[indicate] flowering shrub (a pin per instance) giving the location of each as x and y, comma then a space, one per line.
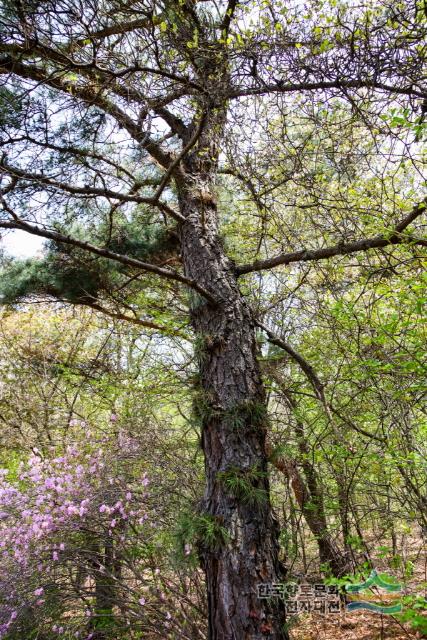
65, 525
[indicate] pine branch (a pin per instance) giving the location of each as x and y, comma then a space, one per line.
87, 191
169, 274
90, 95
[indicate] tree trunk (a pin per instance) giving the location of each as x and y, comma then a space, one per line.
232, 405
311, 506
343, 505
105, 589
309, 495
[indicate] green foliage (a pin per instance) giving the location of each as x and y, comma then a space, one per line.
196, 531
10, 108
243, 484
53, 276
247, 415
68, 273
244, 416
202, 408
288, 544
414, 613
282, 450
105, 621
142, 241
199, 348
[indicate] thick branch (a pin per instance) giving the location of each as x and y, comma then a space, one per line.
176, 125
281, 87
190, 144
169, 274
376, 242
117, 29
229, 14
89, 95
315, 382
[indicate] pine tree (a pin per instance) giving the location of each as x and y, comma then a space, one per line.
122, 117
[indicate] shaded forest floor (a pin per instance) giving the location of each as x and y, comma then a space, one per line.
364, 625
352, 626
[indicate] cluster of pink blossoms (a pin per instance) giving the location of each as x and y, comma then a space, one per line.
88, 491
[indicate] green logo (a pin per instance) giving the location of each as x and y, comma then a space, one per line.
374, 580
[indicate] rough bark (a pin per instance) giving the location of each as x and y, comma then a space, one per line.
232, 406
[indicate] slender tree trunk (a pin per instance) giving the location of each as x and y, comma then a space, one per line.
311, 505
343, 504
313, 508
105, 591
309, 495
233, 408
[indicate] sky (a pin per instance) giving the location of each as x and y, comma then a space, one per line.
20, 244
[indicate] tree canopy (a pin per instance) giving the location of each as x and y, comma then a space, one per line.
243, 182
